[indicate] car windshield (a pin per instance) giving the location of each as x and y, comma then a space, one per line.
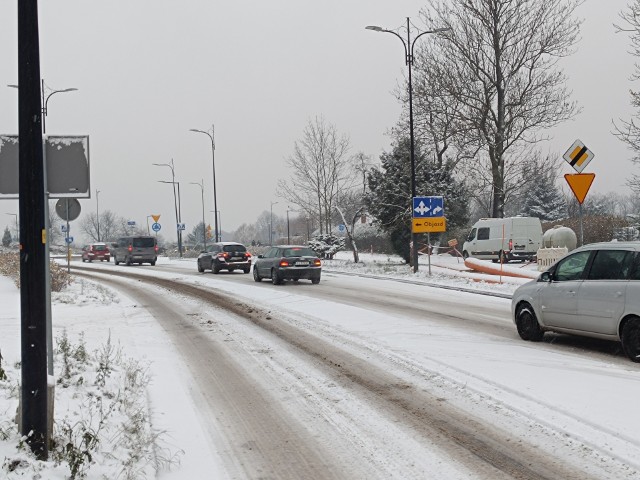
99, 247
299, 252
234, 248
143, 242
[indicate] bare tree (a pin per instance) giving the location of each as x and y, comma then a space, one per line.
629, 131
500, 59
320, 168
110, 226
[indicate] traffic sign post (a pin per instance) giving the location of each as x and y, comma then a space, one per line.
428, 216
578, 156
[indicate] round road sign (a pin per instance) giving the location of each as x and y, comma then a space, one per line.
156, 227
68, 209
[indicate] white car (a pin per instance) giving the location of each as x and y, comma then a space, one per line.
594, 292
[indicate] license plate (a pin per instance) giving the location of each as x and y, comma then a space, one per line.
302, 264
236, 259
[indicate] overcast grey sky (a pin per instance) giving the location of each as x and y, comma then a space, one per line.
148, 71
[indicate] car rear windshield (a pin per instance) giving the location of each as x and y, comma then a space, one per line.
299, 252
100, 248
234, 248
143, 242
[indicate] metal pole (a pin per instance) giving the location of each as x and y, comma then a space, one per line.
581, 229
288, 239
414, 236
98, 213
67, 239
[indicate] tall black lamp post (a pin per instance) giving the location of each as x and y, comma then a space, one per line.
204, 226
213, 156
408, 55
175, 201
97, 214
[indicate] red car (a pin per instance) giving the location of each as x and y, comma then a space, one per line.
96, 251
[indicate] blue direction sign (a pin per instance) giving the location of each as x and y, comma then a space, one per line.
69, 239
428, 207
156, 227
181, 226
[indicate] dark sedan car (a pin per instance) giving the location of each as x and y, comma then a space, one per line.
288, 262
228, 256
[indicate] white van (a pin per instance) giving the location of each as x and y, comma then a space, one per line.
504, 239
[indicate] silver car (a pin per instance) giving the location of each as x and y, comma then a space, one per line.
594, 292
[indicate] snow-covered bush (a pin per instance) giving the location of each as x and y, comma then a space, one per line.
327, 245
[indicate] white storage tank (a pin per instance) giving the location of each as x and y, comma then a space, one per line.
559, 236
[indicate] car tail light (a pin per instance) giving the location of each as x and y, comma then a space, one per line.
284, 263
155, 248
317, 262
130, 248
510, 244
248, 255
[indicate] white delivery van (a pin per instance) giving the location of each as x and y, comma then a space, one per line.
504, 239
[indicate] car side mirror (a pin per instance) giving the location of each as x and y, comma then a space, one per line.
260, 256
546, 277
114, 245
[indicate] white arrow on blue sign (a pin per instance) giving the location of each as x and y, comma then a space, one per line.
181, 226
156, 227
69, 239
428, 207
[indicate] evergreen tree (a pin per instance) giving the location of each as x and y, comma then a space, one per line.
6, 238
544, 199
389, 196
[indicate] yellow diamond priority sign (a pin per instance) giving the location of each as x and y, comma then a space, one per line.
578, 156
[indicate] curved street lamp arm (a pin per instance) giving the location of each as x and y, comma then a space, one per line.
404, 44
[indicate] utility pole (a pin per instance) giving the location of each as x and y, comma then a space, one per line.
33, 235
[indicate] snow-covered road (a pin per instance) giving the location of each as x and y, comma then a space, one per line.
359, 378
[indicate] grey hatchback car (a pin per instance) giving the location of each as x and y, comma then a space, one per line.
288, 262
594, 292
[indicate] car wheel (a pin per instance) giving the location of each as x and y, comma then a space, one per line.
503, 257
256, 275
115, 260
231, 270
315, 280
527, 324
153, 263
200, 268
83, 260
128, 261
90, 260
276, 279
465, 254
631, 339
246, 270
215, 270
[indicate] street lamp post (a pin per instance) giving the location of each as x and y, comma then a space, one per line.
175, 200
408, 55
288, 235
213, 158
45, 100
271, 224
204, 229
98, 213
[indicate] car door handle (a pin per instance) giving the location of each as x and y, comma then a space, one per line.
618, 294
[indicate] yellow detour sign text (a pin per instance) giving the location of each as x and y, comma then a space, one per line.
155, 218
429, 225
580, 184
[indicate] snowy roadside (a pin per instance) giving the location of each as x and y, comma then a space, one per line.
101, 328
